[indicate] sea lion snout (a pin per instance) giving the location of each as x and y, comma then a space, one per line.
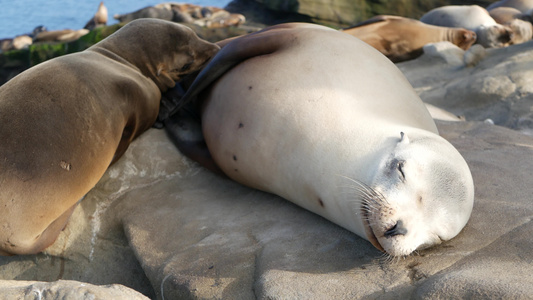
396, 229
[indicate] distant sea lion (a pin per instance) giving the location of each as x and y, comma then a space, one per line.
522, 31
37, 30
221, 19
5, 44
99, 18
402, 39
207, 16
66, 120
504, 15
519, 23
16, 43
522, 5
322, 119
147, 12
64, 35
472, 17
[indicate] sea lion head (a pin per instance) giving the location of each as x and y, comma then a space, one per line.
422, 194
464, 38
522, 31
494, 36
163, 51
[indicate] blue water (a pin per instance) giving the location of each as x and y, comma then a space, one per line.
22, 16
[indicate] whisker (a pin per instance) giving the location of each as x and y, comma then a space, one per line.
358, 189
364, 186
366, 190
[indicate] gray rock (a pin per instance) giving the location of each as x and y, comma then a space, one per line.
65, 289
447, 51
497, 87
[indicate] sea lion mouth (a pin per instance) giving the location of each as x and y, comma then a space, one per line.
370, 233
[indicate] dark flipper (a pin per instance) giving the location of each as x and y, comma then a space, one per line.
184, 129
237, 50
172, 98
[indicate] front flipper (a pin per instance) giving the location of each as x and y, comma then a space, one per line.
169, 101
235, 51
185, 130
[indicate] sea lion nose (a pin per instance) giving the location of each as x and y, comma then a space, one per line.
397, 229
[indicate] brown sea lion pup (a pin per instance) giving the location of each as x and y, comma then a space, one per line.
66, 120
99, 18
402, 39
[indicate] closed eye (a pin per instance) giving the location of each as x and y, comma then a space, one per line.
400, 166
185, 67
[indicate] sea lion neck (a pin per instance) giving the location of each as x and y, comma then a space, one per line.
124, 46
139, 60
112, 55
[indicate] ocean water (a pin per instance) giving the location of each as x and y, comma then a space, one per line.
22, 16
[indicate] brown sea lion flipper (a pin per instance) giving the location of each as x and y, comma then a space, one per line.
237, 50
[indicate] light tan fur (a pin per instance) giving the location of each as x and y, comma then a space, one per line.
66, 120
99, 18
402, 39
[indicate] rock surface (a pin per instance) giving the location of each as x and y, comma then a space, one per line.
65, 289
499, 87
199, 236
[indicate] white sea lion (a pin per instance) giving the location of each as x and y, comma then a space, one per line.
66, 120
519, 23
522, 31
322, 119
472, 17
402, 39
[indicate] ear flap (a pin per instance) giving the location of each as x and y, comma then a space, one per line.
164, 78
404, 140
